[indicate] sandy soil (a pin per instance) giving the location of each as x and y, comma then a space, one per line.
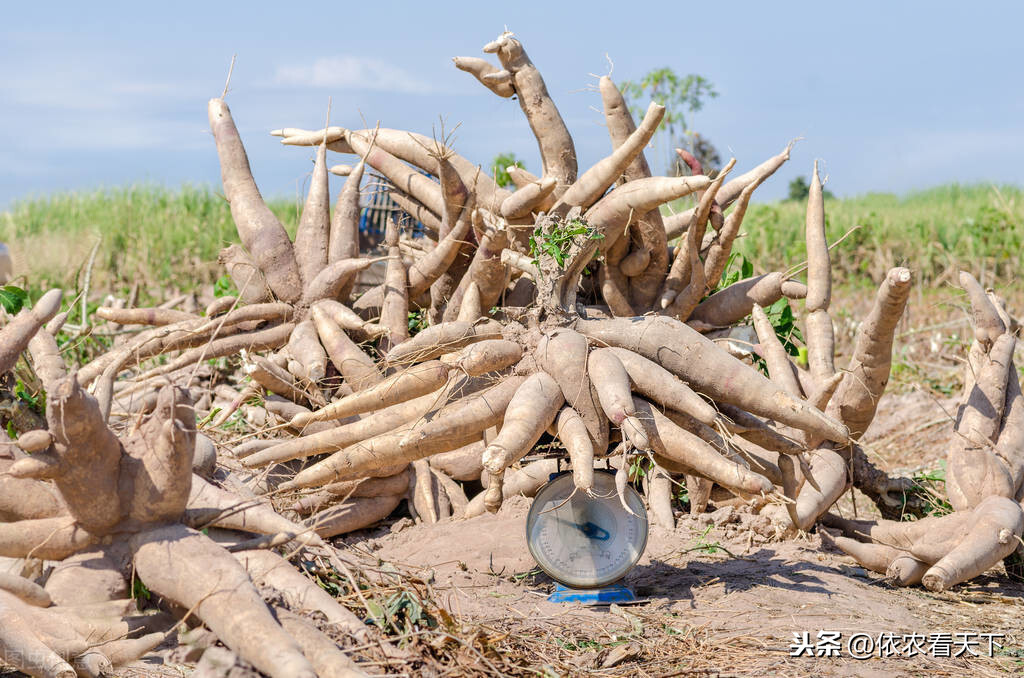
722, 613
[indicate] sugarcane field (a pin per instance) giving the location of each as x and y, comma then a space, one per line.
500, 342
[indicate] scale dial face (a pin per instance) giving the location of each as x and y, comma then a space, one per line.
586, 542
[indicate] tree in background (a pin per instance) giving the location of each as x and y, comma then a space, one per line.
502, 161
799, 189
680, 95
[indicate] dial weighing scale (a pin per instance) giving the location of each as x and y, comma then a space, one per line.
586, 543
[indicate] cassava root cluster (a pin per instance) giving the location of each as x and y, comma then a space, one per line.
557, 310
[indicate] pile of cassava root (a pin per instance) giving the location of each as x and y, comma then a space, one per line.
557, 312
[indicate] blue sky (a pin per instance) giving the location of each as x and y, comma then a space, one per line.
891, 98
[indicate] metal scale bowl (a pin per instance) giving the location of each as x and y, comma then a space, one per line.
586, 543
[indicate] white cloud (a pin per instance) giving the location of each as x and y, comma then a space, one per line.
349, 72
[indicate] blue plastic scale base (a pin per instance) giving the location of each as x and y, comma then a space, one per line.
616, 593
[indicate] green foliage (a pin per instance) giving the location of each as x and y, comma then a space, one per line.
679, 95
682, 495
200, 423
139, 590
799, 189
37, 401
929, 488
925, 230
12, 298
639, 468
781, 316
417, 321
499, 165
329, 585
236, 423
702, 545
225, 287
556, 242
21, 401
736, 268
906, 371
581, 645
401, 613
81, 349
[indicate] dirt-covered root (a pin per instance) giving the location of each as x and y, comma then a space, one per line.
681, 451
15, 336
189, 569
710, 370
504, 324
647, 232
253, 327
127, 506
851, 398
558, 153
955, 547
856, 398
359, 512
447, 428
415, 421
530, 411
524, 481
985, 458
685, 283
262, 234
892, 496
47, 641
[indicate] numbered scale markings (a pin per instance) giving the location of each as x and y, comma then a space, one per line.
582, 541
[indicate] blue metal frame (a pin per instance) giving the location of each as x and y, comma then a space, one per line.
616, 593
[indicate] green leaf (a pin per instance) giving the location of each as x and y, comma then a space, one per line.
224, 287
746, 269
208, 418
500, 168
376, 612
737, 268
679, 95
36, 401
417, 321
12, 298
139, 590
558, 256
683, 495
